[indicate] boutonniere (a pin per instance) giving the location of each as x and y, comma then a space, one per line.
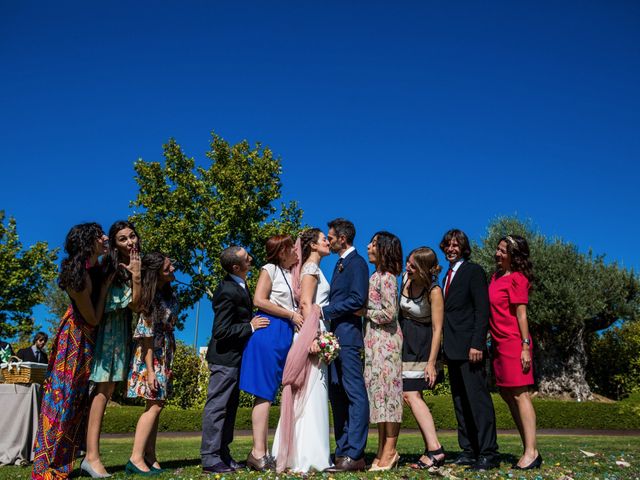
340, 267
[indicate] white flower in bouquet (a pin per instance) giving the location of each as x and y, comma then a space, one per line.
329, 347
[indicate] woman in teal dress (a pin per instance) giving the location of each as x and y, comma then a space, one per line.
150, 374
111, 357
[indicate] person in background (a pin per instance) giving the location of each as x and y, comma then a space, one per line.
150, 374
35, 353
383, 347
421, 317
111, 356
65, 399
266, 352
466, 322
511, 341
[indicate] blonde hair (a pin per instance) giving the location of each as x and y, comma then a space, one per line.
426, 262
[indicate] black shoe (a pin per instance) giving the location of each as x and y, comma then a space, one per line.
465, 459
219, 467
484, 463
537, 463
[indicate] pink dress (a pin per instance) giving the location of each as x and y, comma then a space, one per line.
505, 294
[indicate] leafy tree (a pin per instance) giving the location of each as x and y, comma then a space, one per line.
57, 301
574, 296
23, 278
192, 213
615, 375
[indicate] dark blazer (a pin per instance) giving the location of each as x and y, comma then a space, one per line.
349, 293
27, 355
466, 312
232, 313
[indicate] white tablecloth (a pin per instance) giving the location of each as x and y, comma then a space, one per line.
19, 409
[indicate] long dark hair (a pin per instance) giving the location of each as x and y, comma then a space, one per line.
151, 267
113, 260
389, 251
276, 245
461, 238
79, 246
307, 237
518, 249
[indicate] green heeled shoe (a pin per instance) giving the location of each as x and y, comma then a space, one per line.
131, 469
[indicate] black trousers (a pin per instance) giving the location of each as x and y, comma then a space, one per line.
474, 408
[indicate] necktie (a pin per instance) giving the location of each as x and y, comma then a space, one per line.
37, 356
447, 283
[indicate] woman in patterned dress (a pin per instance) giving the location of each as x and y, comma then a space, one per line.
150, 374
66, 387
111, 356
383, 347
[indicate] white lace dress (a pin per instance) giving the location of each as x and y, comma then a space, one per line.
311, 425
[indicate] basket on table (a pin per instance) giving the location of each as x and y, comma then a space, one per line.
17, 371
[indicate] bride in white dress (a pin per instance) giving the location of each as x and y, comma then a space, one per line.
310, 443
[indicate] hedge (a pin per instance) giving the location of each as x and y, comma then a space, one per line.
624, 415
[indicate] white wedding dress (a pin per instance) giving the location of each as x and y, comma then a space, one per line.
311, 425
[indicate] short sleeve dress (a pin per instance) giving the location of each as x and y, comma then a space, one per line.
113, 341
382, 350
159, 326
505, 294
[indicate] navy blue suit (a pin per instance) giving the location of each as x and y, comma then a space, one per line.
347, 391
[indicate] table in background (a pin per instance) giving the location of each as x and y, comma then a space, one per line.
19, 409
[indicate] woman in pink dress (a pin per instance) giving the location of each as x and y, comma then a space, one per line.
511, 342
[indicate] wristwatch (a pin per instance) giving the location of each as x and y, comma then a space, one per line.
526, 341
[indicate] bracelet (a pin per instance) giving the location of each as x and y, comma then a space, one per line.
526, 341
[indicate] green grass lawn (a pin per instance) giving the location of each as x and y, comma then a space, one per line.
561, 453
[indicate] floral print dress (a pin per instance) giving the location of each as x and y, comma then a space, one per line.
158, 325
383, 350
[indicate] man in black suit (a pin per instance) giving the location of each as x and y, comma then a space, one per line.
232, 326
466, 321
35, 353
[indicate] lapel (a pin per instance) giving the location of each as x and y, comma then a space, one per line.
456, 279
244, 291
345, 262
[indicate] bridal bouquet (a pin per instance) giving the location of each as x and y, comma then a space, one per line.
329, 347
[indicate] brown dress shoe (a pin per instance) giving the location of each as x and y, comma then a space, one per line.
348, 464
261, 464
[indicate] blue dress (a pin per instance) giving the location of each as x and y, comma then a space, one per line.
266, 351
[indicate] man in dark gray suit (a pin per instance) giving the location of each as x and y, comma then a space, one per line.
232, 326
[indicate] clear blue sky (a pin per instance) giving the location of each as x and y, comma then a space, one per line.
408, 116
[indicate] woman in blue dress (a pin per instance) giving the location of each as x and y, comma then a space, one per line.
266, 352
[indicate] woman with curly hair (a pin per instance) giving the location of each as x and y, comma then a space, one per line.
150, 374
383, 347
111, 357
66, 387
511, 341
421, 320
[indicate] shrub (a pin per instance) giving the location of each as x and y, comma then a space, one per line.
190, 379
614, 367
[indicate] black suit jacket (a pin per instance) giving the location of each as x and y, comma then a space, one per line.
466, 312
27, 355
232, 311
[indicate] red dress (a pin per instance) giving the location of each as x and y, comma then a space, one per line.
505, 294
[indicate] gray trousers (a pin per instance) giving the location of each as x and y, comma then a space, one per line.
219, 416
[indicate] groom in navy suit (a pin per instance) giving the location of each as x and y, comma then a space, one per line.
347, 391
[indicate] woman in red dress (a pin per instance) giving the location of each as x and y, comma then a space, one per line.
511, 342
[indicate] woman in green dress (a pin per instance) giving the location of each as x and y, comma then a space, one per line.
111, 358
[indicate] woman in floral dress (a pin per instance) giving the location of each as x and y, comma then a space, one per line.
66, 386
383, 347
150, 375
113, 340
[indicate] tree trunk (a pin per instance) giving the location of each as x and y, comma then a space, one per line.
561, 368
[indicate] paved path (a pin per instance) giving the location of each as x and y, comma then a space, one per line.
542, 431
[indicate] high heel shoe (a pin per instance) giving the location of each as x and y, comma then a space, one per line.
152, 467
537, 463
394, 463
85, 467
131, 469
431, 454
